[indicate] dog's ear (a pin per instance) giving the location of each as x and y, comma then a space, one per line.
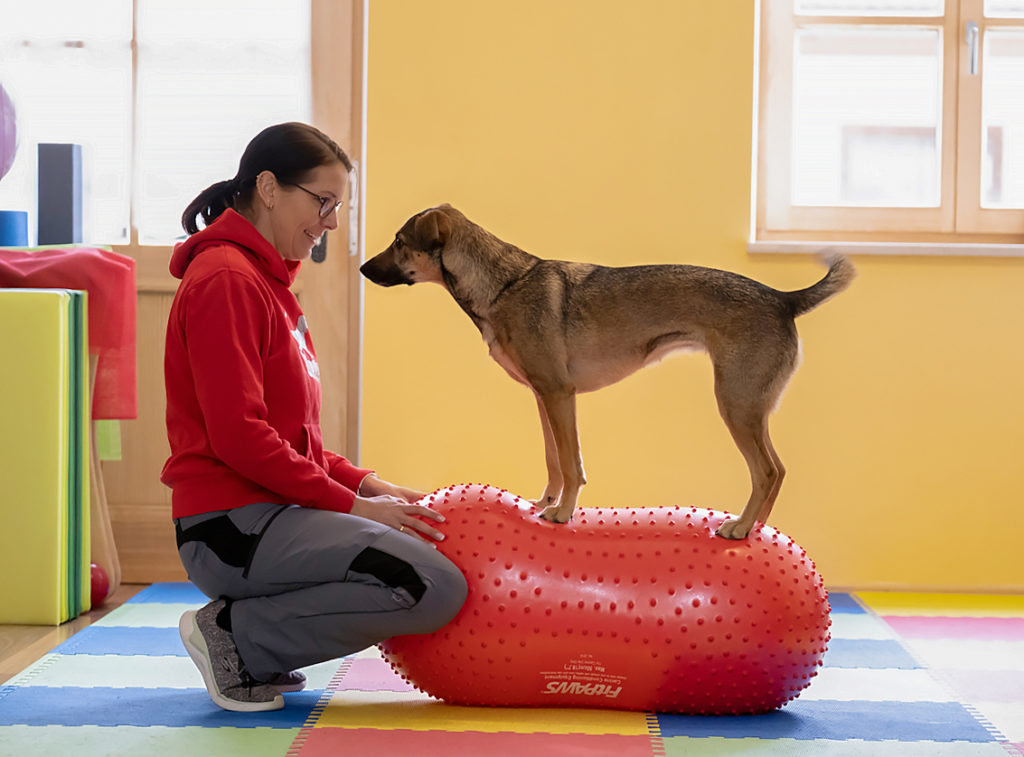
432, 228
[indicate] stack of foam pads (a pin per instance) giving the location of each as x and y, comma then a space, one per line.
904, 676
44, 463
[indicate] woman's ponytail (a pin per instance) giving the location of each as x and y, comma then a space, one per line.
209, 204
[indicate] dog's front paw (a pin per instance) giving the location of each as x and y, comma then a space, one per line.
555, 514
733, 529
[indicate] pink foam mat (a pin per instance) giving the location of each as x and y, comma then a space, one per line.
988, 629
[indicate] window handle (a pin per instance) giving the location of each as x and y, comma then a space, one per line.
971, 38
353, 210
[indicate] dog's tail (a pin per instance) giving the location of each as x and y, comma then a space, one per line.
840, 273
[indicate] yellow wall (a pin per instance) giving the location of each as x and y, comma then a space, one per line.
620, 133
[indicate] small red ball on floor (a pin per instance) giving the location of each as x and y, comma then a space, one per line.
100, 584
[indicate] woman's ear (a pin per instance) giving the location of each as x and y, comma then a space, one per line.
266, 189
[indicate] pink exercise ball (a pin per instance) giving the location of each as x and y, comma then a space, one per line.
8, 133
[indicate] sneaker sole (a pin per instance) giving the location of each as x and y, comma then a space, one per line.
287, 689
196, 647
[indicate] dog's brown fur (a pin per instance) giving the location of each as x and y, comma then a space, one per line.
563, 328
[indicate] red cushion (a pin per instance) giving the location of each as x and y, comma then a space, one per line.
109, 278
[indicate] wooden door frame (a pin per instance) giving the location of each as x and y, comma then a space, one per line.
331, 292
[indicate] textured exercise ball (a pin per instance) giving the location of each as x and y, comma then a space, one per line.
8, 133
639, 609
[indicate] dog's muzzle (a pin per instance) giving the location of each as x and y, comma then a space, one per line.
382, 270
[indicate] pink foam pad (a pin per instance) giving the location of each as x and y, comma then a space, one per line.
640, 609
994, 629
372, 675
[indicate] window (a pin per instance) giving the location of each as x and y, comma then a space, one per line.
891, 120
163, 96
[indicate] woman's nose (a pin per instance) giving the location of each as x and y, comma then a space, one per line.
330, 221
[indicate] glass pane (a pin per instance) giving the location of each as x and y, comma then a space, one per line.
866, 117
66, 20
1004, 8
80, 95
248, 23
205, 90
869, 7
1002, 119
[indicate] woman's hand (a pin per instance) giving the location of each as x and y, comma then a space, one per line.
372, 486
399, 514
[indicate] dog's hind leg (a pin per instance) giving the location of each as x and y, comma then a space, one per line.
766, 473
560, 409
769, 503
745, 402
553, 489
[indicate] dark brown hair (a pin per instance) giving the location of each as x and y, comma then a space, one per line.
289, 151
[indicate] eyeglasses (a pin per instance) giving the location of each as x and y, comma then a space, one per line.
327, 205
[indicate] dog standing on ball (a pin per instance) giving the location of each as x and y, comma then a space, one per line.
562, 328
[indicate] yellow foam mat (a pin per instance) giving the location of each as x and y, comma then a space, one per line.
945, 605
388, 710
43, 456
34, 455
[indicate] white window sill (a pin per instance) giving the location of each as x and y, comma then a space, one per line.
965, 249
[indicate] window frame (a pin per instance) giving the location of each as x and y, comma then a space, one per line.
776, 222
152, 274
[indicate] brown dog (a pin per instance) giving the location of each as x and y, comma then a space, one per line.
562, 328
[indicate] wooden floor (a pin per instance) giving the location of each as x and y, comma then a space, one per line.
20, 646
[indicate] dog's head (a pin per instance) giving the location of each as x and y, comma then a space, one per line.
415, 254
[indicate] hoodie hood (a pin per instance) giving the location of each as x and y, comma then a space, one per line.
232, 229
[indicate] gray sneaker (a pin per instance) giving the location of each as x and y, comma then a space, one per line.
213, 651
286, 682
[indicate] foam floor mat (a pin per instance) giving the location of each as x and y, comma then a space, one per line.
906, 675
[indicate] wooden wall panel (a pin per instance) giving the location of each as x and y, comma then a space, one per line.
140, 506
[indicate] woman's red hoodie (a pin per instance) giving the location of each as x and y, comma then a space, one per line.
243, 384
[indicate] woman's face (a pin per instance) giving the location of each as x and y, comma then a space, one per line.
295, 221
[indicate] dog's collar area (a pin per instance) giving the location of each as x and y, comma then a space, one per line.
451, 281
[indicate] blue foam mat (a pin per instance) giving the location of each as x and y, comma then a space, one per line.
868, 653
125, 640
75, 706
839, 721
845, 604
171, 593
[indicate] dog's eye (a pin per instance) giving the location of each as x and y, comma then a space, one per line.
398, 243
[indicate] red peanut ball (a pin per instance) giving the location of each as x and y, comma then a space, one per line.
628, 608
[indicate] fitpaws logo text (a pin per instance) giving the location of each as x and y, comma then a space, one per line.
586, 689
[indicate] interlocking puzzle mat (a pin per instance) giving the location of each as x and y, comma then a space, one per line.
905, 675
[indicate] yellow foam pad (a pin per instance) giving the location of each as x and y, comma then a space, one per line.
945, 605
388, 710
34, 374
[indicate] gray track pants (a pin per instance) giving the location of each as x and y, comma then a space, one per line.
311, 585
